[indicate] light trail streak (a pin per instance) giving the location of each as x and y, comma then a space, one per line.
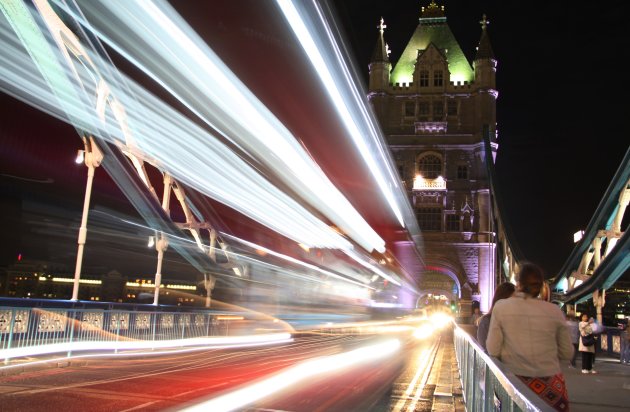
424, 362
295, 375
169, 140
166, 48
136, 353
314, 48
361, 281
372, 267
207, 343
156, 131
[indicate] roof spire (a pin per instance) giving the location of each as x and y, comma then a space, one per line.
432, 11
381, 51
484, 50
381, 27
484, 22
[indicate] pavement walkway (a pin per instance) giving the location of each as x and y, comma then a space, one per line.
606, 391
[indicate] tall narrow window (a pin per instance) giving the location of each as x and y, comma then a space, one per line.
438, 78
452, 223
429, 218
424, 78
410, 109
430, 166
438, 110
423, 111
462, 172
467, 222
452, 108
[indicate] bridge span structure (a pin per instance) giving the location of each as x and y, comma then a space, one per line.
236, 180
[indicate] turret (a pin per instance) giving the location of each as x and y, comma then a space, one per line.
379, 64
485, 65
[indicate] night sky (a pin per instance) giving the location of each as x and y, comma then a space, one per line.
561, 119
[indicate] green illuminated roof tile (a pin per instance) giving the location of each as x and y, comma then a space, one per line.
432, 30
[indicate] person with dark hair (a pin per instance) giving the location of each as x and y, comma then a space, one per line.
529, 336
587, 351
503, 291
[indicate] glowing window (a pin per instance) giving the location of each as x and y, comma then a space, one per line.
430, 166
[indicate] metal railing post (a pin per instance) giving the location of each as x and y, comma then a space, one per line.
183, 328
153, 326
72, 319
10, 341
117, 332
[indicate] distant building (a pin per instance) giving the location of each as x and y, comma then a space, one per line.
42, 280
434, 108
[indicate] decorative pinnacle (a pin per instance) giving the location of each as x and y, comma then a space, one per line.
484, 22
381, 27
432, 10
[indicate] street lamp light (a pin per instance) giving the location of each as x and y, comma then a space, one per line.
80, 157
92, 156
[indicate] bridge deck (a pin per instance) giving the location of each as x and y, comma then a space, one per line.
607, 391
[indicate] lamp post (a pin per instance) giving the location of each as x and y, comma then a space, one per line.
92, 157
161, 244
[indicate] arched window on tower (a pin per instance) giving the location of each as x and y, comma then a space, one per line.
430, 166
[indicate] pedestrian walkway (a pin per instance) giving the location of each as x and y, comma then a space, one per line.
607, 391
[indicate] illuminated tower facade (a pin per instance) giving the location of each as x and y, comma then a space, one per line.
435, 108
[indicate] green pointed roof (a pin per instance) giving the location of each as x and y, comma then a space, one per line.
432, 29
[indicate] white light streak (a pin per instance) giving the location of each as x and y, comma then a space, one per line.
165, 47
371, 267
165, 138
296, 374
362, 282
331, 84
214, 342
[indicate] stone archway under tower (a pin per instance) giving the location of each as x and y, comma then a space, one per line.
445, 278
435, 297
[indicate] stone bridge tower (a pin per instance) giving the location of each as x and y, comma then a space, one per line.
434, 108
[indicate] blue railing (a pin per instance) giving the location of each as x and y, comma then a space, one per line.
487, 385
36, 331
613, 342
624, 355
